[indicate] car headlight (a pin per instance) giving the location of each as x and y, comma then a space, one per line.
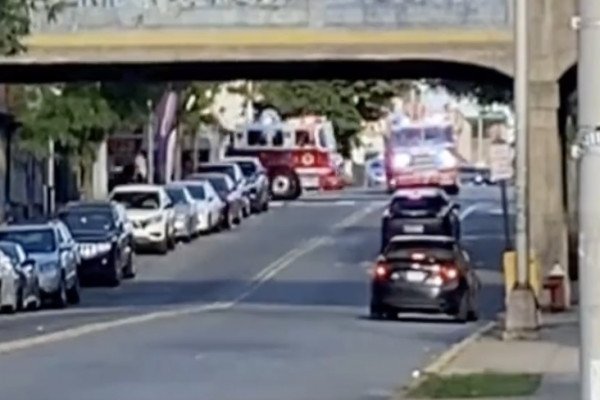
103, 247
447, 159
157, 219
401, 160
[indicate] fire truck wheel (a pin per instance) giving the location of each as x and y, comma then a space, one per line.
285, 186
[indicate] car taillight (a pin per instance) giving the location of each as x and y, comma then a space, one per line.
442, 274
449, 272
381, 270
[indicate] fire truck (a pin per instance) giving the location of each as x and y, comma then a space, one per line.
315, 155
421, 153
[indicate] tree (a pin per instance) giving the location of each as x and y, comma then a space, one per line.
76, 116
485, 93
129, 101
15, 21
346, 103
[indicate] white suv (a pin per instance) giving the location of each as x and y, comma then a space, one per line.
151, 213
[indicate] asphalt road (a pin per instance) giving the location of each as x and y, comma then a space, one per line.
275, 310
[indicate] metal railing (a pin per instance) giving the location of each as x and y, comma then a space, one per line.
85, 15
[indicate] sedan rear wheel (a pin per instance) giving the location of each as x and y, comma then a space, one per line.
59, 297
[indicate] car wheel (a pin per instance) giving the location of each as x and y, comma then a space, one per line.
473, 314
114, 278
73, 293
20, 305
265, 206
462, 314
163, 247
246, 212
129, 269
171, 243
379, 312
59, 297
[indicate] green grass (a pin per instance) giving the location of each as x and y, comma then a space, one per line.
475, 386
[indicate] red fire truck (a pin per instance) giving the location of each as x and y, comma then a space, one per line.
421, 153
314, 149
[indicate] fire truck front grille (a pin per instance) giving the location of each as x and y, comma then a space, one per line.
424, 161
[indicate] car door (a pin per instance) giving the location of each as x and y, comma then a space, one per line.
28, 271
68, 247
168, 209
122, 237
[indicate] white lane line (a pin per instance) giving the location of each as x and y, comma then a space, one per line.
469, 210
260, 279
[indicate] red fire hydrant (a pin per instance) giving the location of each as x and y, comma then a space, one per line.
555, 283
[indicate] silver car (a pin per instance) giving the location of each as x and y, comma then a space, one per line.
19, 279
55, 253
186, 215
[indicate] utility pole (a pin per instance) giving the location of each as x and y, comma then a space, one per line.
50, 177
150, 142
589, 193
522, 313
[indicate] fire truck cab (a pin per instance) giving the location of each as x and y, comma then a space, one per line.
421, 153
314, 148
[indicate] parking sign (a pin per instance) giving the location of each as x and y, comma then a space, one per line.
501, 162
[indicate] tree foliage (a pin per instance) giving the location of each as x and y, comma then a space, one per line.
195, 102
485, 93
130, 100
77, 117
15, 22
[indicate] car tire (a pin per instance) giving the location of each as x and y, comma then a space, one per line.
114, 279
379, 312
473, 314
59, 297
265, 206
74, 293
246, 212
163, 247
462, 313
129, 271
171, 243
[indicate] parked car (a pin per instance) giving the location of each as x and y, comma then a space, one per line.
234, 171
186, 211
209, 206
105, 247
151, 213
19, 280
430, 274
375, 172
420, 211
257, 182
232, 213
55, 252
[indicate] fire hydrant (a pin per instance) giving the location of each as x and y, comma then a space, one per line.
556, 284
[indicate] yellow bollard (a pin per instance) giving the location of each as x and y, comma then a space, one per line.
509, 266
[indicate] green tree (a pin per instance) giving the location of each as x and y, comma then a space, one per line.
130, 100
76, 116
195, 102
485, 93
15, 22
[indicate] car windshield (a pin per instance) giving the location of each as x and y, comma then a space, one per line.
197, 192
32, 241
248, 168
407, 137
438, 135
79, 221
138, 200
225, 169
177, 195
420, 203
432, 250
11, 251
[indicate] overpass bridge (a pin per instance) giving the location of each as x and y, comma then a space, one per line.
468, 39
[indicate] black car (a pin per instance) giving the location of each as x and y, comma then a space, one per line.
257, 182
428, 274
105, 245
421, 211
233, 171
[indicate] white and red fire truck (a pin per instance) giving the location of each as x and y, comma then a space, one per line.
421, 153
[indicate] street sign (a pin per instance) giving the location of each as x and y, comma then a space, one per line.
501, 162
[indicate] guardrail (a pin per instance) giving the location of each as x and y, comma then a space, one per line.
86, 15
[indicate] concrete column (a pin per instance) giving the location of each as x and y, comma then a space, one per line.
100, 172
548, 219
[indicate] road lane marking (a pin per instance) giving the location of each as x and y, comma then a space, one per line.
260, 279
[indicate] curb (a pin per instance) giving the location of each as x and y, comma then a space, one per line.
445, 358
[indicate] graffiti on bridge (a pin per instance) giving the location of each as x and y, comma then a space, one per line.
390, 14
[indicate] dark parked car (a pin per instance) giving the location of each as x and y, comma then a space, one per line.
234, 172
228, 193
257, 182
105, 245
421, 211
429, 274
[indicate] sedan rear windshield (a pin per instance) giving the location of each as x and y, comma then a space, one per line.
197, 192
138, 200
405, 250
87, 221
177, 195
248, 168
225, 169
32, 241
423, 203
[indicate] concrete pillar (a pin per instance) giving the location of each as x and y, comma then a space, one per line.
548, 219
100, 172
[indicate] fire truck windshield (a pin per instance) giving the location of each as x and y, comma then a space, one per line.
434, 135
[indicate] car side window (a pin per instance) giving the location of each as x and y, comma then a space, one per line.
61, 236
66, 233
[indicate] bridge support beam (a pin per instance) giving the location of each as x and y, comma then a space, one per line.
548, 218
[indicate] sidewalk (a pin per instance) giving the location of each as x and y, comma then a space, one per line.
555, 356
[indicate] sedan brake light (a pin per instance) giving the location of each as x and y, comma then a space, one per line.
381, 270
